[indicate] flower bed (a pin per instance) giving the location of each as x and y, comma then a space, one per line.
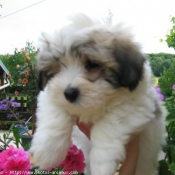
18, 161
6, 120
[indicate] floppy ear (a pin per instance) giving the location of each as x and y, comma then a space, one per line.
42, 80
130, 64
47, 67
47, 60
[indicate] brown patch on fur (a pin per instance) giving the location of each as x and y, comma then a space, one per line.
47, 66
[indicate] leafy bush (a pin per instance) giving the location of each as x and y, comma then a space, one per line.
23, 78
160, 61
167, 165
170, 38
167, 80
167, 83
11, 61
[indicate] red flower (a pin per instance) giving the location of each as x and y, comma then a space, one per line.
16, 92
25, 80
74, 160
9, 76
26, 72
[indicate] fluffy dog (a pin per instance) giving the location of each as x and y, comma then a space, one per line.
95, 72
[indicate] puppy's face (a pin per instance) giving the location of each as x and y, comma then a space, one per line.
87, 67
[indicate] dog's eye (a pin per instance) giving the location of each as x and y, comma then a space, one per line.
91, 65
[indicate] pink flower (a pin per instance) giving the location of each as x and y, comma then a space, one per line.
22, 165
161, 97
13, 159
74, 161
157, 89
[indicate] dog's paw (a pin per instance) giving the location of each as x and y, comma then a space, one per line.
103, 167
47, 153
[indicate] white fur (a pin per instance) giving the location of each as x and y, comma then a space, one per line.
117, 114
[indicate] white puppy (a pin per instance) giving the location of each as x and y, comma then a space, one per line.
96, 73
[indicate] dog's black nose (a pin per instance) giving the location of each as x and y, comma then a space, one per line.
71, 94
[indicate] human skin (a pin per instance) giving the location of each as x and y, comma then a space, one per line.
132, 149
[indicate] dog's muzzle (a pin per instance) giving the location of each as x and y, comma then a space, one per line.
71, 94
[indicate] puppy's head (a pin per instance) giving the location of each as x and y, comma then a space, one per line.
87, 62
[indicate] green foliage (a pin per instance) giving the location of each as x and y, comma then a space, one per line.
160, 62
167, 80
170, 37
167, 166
21, 66
11, 61
17, 136
163, 168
